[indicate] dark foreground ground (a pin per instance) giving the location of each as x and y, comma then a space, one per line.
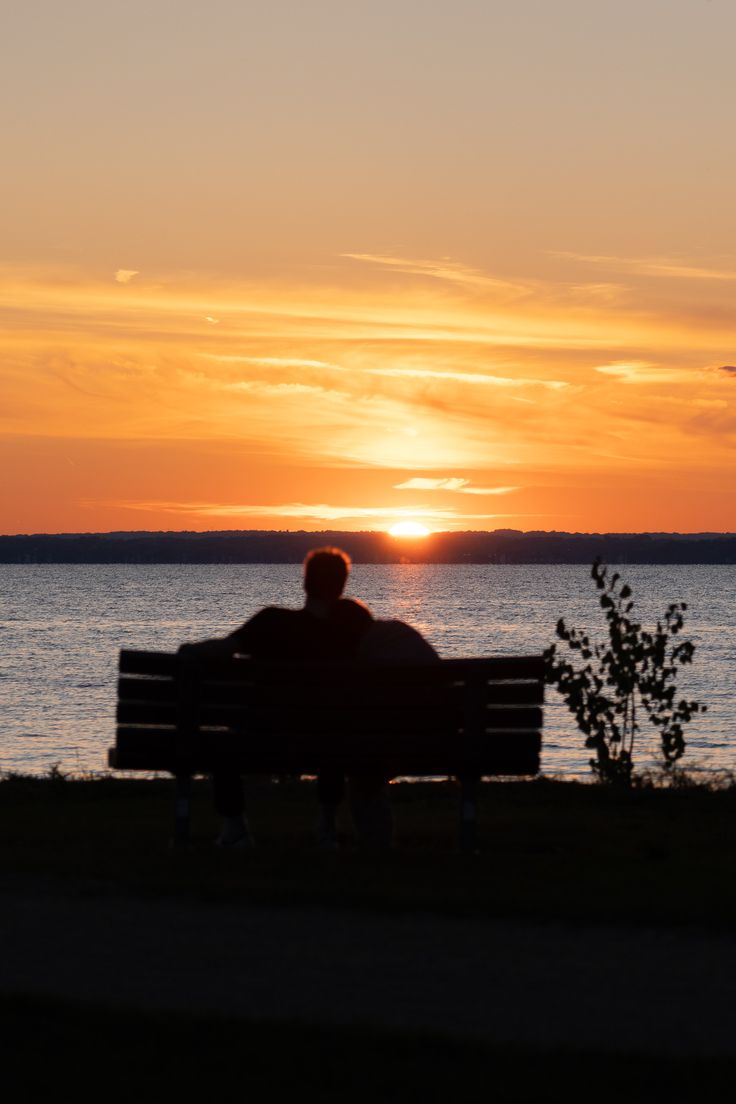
590, 948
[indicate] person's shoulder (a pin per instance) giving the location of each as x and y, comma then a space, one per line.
268, 620
393, 629
275, 613
395, 641
269, 615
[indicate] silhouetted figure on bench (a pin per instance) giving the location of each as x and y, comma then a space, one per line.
371, 641
281, 635
287, 635
328, 628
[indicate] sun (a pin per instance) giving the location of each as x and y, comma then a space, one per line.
409, 529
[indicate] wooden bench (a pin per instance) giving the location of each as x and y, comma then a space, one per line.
464, 718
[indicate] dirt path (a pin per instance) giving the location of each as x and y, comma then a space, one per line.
640, 990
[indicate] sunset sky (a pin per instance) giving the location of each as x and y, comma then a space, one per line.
309, 264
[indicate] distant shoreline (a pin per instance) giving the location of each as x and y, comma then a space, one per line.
501, 546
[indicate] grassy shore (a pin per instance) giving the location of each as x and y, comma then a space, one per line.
549, 850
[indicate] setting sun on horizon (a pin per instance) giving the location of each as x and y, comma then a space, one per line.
409, 529
491, 288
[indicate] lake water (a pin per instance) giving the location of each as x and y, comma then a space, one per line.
63, 625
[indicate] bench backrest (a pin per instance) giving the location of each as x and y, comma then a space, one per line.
454, 716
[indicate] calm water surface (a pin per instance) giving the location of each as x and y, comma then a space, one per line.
63, 625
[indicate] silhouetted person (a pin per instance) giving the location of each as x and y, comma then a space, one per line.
275, 633
371, 641
280, 635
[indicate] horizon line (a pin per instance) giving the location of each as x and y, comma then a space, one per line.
377, 533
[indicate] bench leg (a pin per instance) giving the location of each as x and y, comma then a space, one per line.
469, 785
182, 822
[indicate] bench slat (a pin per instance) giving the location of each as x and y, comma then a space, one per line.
327, 718
503, 752
148, 663
492, 668
238, 693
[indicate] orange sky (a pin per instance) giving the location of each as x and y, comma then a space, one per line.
397, 281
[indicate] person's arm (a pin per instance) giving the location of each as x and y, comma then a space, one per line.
219, 648
239, 642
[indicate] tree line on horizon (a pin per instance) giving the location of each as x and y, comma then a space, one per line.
502, 546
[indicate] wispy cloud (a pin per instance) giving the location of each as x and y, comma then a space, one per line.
444, 269
604, 293
305, 511
450, 483
268, 362
644, 372
125, 275
665, 267
283, 388
480, 379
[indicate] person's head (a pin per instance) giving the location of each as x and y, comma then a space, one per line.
325, 573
